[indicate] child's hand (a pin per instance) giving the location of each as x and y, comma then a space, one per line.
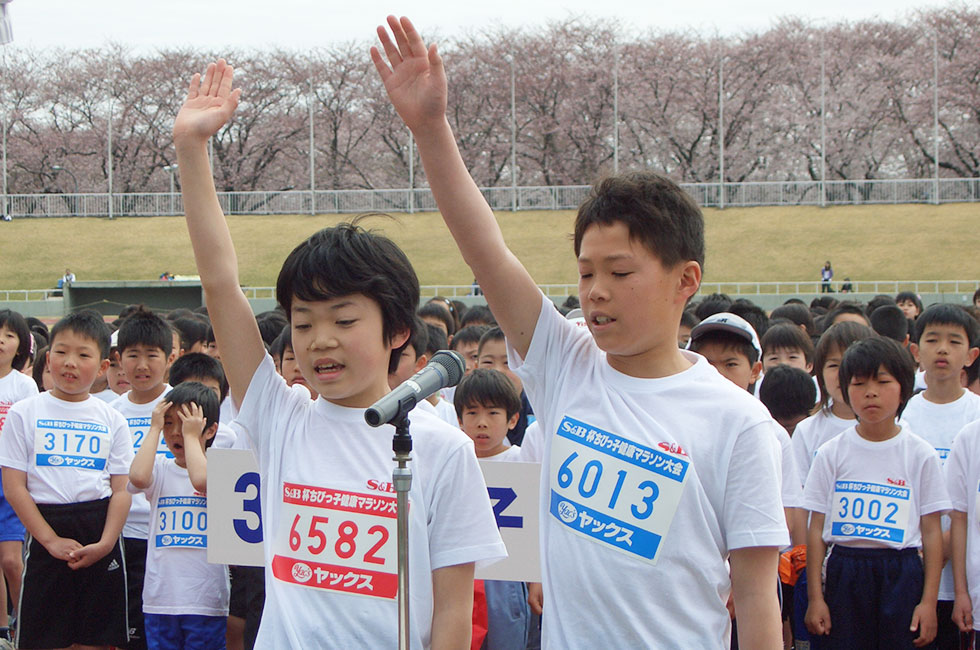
963, 613
87, 555
61, 548
209, 105
191, 420
535, 597
416, 80
818, 618
159, 411
924, 620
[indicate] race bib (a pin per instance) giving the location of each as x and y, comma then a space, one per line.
337, 540
614, 491
140, 427
66, 443
870, 511
4, 408
182, 522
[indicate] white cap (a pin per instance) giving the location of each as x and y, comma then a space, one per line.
726, 322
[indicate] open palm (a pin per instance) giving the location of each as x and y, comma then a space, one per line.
210, 103
413, 75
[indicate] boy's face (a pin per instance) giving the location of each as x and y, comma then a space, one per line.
209, 382
909, 309
118, 381
487, 426
792, 357
290, 369
731, 363
831, 375
74, 362
630, 301
683, 336
493, 355
469, 351
409, 363
173, 435
875, 399
211, 349
9, 342
943, 351
145, 367
341, 349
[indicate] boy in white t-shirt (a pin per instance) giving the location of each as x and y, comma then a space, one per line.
65, 458
652, 459
328, 507
185, 599
945, 343
963, 482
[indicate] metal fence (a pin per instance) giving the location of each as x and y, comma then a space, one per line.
950, 190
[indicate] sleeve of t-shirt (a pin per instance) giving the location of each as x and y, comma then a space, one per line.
267, 403
816, 493
15, 451
933, 496
801, 455
153, 488
956, 471
532, 447
753, 512
121, 453
462, 528
792, 488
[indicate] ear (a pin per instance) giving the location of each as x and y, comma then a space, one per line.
756, 369
210, 432
398, 339
420, 361
971, 356
688, 280
914, 349
512, 422
103, 366
809, 368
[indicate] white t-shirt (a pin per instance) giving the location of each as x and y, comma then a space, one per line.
874, 493
108, 395
532, 446
328, 511
512, 453
179, 579
138, 418
938, 425
68, 449
13, 388
447, 412
963, 482
647, 485
811, 433
792, 486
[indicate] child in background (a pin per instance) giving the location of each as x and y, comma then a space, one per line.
910, 304
467, 343
15, 348
488, 407
351, 297
946, 342
689, 321
185, 599
876, 493
65, 459
624, 382
785, 343
789, 394
492, 353
145, 349
962, 480
41, 373
115, 376
434, 342
731, 346
288, 367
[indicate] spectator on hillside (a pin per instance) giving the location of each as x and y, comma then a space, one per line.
826, 275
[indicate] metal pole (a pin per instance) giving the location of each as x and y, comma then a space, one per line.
109, 141
823, 126
513, 135
312, 155
721, 133
616, 112
935, 117
401, 477
170, 169
3, 207
411, 172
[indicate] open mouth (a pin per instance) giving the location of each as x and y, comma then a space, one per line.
327, 368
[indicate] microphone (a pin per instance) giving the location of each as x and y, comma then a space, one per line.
445, 369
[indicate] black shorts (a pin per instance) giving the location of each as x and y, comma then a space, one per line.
60, 606
134, 552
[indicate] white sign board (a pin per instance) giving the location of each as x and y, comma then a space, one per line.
235, 527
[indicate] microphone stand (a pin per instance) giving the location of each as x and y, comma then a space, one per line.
401, 478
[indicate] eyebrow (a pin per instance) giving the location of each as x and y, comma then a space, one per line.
335, 307
609, 258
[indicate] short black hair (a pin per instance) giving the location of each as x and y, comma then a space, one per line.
787, 335
194, 392
435, 339
285, 340
89, 324
191, 331
488, 388
434, 310
492, 334
449, 307
863, 360
838, 337
728, 341
752, 313
143, 327
788, 392
890, 321
973, 371
16, 323
418, 336
946, 314
878, 301
796, 312
270, 325
344, 260
656, 211
712, 304
477, 315
689, 319
197, 365
469, 334
37, 372
846, 307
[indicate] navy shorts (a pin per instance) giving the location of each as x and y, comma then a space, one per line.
185, 631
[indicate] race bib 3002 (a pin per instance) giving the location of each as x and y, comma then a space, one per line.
337, 540
66, 443
183, 522
872, 511
614, 491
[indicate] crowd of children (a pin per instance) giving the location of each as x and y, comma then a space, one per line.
711, 474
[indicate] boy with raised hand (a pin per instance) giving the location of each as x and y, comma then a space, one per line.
657, 470
328, 516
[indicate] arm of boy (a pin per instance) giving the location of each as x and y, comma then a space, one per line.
754, 572
962, 603
452, 606
15, 491
192, 429
141, 471
535, 597
416, 84
924, 615
210, 104
817, 613
119, 504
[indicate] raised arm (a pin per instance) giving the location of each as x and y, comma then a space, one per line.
141, 471
415, 80
210, 104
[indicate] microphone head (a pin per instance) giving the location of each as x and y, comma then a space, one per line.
452, 362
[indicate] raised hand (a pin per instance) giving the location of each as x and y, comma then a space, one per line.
209, 105
191, 420
413, 75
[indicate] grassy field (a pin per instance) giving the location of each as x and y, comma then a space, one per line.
744, 244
